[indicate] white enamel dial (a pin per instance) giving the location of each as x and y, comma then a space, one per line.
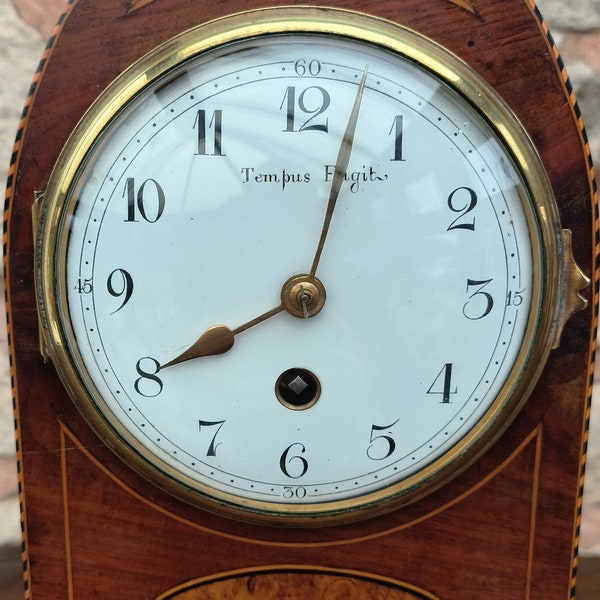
208, 191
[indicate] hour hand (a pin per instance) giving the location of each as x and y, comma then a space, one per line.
302, 296
218, 339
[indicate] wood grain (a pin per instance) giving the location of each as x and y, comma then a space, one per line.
505, 529
295, 584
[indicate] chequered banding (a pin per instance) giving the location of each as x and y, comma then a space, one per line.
595, 280
10, 190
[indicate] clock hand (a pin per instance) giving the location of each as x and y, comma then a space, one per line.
218, 339
302, 296
341, 166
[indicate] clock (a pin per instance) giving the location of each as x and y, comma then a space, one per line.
354, 195
305, 280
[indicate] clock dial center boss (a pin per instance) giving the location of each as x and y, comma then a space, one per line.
325, 166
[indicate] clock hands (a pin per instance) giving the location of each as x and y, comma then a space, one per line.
218, 339
302, 296
341, 166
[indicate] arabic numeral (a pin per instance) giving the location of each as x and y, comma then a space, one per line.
291, 463
398, 130
442, 384
84, 286
120, 285
203, 126
290, 492
381, 446
312, 101
307, 67
148, 202
148, 384
480, 302
462, 200
515, 298
212, 447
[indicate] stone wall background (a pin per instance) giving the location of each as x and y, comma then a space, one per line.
27, 24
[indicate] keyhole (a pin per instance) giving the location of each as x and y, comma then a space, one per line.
297, 389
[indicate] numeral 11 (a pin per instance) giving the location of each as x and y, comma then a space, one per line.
203, 127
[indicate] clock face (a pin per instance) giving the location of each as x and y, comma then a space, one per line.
192, 207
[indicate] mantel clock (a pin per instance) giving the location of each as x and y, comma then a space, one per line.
311, 286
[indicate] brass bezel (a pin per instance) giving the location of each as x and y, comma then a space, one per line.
543, 222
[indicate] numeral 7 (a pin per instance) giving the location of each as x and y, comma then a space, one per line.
212, 448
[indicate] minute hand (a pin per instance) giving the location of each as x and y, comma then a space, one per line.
341, 165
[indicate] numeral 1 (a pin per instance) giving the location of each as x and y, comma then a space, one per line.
397, 129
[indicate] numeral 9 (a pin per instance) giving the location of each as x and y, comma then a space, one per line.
120, 285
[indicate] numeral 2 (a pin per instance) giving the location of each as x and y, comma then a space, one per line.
465, 206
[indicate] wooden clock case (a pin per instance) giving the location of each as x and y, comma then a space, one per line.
505, 529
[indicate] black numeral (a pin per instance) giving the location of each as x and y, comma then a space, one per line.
212, 447
149, 196
442, 384
148, 384
312, 101
515, 298
84, 286
307, 67
462, 200
381, 446
290, 492
480, 303
203, 126
120, 285
397, 129
291, 463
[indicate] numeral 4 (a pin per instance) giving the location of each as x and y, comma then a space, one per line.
442, 384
